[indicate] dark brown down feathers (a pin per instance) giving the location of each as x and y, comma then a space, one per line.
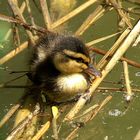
59, 67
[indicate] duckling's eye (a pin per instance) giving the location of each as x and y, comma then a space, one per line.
79, 60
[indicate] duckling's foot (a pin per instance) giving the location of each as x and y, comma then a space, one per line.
69, 101
87, 97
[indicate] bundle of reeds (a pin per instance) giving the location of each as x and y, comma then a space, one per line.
27, 122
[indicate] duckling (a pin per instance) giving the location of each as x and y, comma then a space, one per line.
60, 67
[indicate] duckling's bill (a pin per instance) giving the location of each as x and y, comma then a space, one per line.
91, 70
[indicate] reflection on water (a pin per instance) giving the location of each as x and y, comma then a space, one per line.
59, 8
115, 112
137, 74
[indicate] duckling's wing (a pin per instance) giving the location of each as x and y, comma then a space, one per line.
43, 48
41, 52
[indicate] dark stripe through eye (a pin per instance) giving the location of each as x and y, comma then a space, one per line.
79, 60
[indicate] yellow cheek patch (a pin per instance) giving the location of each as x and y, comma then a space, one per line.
67, 65
71, 67
77, 55
84, 66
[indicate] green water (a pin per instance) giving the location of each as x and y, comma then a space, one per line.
105, 126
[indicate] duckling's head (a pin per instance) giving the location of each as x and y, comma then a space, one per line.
71, 56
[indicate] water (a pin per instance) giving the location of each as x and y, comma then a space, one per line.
117, 120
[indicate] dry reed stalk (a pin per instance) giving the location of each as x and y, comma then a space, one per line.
99, 88
22, 7
14, 53
137, 41
91, 43
93, 17
21, 126
11, 111
42, 131
113, 48
134, 1
56, 25
103, 52
122, 49
127, 81
87, 111
122, 14
30, 14
115, 89
137, 137
133, 10
73, 13
7, 35
14, 86
104, 102
45, 12
17, 12
89, 117
14, 79
16, 37
72, 134
55, 114
25, 25
9, 114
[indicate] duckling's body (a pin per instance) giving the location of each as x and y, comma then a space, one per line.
69, 86
58, 66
